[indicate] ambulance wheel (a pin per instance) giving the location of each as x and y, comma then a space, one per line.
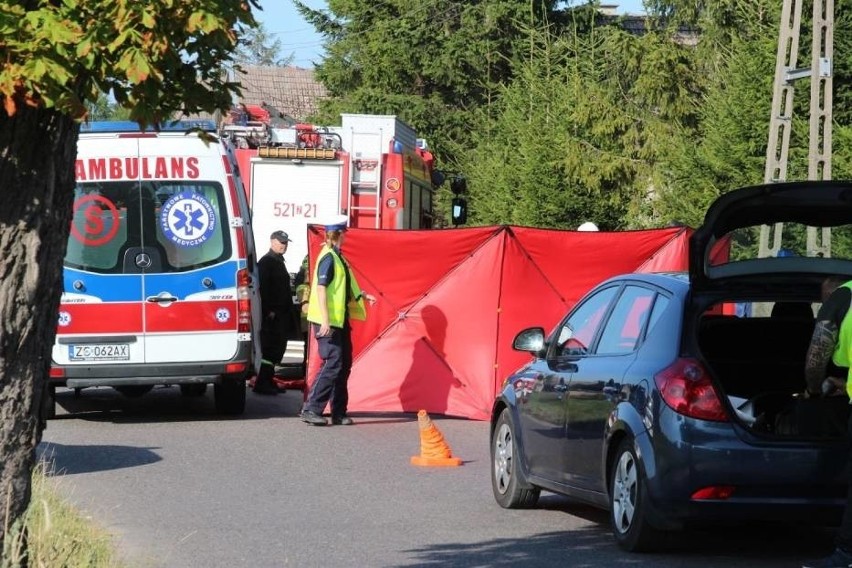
134, 391
195, 389
230, 396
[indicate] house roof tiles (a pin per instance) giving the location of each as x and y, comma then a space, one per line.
292, 90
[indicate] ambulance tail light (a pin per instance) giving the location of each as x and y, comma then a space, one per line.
233, 368
243, 301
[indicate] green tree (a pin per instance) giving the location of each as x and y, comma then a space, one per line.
105, 109
728, 150
430, 63
258, 47
580, 133
157, 58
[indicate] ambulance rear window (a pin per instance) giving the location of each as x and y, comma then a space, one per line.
180, 225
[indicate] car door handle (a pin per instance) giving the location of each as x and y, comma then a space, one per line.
161, 298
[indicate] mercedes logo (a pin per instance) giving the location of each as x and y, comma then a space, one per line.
143, 260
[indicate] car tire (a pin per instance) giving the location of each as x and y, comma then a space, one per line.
511, 489
627, 502
229, 396
134, 391
195, 389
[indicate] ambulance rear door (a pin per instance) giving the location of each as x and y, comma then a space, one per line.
101, 315
190, 304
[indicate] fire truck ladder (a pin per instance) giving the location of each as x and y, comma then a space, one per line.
372, 184
819, 137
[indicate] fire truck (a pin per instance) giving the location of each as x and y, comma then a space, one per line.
371, 168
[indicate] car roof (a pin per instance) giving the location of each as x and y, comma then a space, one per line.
674, 281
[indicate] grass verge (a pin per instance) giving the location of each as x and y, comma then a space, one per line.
57, 535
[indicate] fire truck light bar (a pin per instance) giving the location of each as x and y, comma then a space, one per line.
297, 153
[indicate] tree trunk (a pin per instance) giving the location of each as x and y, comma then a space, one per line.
37, 152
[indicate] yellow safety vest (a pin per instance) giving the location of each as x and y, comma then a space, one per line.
336, 294
843, 351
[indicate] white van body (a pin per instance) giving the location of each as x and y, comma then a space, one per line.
159, 283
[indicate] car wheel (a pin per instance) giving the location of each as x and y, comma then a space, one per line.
229, 396
511, 490
627, 496
196, 389
134, 391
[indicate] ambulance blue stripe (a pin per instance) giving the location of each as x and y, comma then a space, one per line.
183, 284
128, 287
107, 287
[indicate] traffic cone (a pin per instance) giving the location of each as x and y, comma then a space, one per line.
433, 449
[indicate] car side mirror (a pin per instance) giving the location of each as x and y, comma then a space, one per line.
530, 340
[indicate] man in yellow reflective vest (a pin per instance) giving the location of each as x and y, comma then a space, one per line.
335, 299
827, 374
827, 362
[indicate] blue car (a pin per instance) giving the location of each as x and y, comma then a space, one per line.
678, 399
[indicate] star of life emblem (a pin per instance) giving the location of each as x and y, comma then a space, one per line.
64, 319
188, 219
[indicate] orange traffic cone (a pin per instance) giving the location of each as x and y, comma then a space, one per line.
433, 449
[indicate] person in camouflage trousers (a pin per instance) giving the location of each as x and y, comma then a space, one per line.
302, 282
303, 292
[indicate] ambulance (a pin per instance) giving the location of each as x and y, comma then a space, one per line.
160, 268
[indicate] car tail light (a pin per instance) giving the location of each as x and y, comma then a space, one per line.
57, 373
714, 492
686, 387
232, 368
243, 301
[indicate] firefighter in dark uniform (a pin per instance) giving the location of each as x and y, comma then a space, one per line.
276, 304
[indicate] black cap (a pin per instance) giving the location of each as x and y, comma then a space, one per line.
280, 236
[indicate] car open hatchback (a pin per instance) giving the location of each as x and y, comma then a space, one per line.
671, 399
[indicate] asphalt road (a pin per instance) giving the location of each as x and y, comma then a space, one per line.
180, 486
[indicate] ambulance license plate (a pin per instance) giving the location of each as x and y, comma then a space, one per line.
99, 352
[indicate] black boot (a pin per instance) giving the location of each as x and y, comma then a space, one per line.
264, 384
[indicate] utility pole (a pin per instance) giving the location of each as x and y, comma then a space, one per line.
781, 121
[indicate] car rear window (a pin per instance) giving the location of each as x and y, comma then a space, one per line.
745, 244
184, 223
